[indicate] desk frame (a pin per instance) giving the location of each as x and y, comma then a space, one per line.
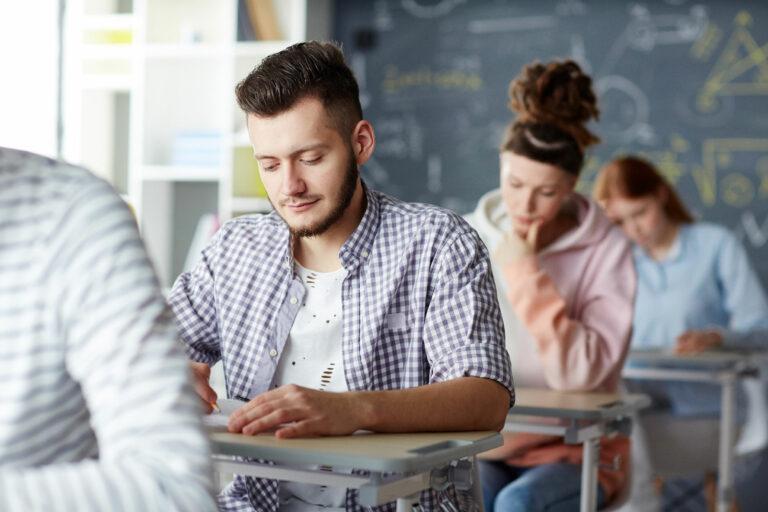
601, 415
400, 476
725, 368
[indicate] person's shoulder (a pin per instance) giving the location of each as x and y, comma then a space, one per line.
708, 230
33, 175
42, 186
421, 216
259, 228
708, 235
597, 229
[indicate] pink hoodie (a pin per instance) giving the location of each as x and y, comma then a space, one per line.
567, 313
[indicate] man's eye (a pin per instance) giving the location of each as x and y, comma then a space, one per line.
312, 161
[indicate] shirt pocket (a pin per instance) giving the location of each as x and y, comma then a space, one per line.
396, 322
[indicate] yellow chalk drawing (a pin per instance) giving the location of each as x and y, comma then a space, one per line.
705, 45
737, 189
762, 171
396, 80
668, 160
731, 74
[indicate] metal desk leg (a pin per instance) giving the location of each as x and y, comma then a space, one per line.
477, 486
725, 479
589, 475
406, 504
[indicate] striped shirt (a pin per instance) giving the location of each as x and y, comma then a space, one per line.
96, 408
419, 306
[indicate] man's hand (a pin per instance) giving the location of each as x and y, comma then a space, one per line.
296, 411
693, 342
513, 247
201, 374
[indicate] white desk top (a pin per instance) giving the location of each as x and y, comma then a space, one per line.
374, 452
576, 405
708, 359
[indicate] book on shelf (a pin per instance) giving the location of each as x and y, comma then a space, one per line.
245, 174
197, 149
257, 20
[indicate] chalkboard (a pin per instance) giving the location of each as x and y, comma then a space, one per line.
682, 83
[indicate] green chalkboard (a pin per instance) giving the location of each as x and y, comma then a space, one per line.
682, 83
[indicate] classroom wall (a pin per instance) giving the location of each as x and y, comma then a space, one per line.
684, 83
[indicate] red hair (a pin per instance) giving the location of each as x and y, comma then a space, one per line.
633, 178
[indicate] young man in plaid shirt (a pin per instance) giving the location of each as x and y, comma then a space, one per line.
343, 309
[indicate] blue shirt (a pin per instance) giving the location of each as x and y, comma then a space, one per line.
419, 306
706, 281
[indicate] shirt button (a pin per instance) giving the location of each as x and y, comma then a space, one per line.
365, 254
294, 300
273, 353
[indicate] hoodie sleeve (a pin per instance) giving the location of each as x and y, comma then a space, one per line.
584, 351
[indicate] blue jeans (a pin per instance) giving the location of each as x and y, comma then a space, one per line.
549, 487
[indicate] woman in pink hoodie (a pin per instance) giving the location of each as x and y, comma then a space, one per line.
566, 285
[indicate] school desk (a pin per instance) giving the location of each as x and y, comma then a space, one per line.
724, 367
400, 466
582, 418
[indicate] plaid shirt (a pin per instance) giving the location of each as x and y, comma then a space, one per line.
419, 307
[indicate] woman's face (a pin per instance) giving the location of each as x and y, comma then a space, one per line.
533, 192
643, 219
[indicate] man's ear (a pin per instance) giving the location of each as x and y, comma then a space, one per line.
363, 141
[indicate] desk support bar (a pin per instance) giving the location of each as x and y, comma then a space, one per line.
589, 478
305, 476
676, 375
725, 480
378, 490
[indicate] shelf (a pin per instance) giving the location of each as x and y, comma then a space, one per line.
107, 51
185, 50
251, 205
178, 173
117, 83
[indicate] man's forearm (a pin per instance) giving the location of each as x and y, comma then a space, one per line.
467, 403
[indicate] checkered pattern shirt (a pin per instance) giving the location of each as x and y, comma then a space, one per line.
419, 307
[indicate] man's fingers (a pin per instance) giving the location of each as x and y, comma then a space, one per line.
263, 423
207, 407
205, 391
298, 429
264, 416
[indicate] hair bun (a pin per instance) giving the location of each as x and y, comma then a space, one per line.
557, 93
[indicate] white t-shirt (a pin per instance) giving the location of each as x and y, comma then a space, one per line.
312, 358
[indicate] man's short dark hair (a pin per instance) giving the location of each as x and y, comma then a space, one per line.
309, 69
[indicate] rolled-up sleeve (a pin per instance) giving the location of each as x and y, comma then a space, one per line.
464, 330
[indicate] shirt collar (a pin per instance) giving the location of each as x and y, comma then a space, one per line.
357, 248
675, 251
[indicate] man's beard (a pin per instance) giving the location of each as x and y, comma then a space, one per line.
345, 198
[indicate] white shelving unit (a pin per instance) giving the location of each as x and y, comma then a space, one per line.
145, 81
